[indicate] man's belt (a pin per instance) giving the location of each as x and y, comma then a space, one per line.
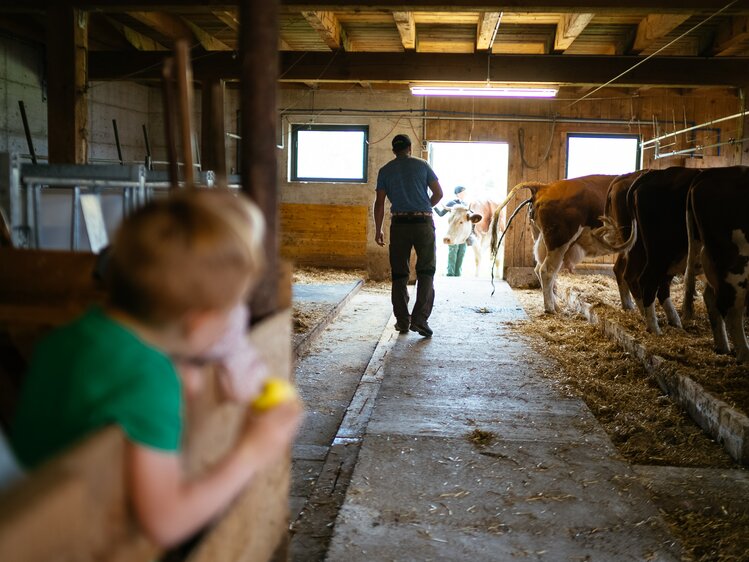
413, 214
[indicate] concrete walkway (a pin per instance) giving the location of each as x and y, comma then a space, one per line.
543, 482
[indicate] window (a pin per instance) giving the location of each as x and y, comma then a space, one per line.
335, 153
590, 153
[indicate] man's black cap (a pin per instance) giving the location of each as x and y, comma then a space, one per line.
459, 189
400, 142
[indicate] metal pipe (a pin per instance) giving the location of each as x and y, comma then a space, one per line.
117, 142
700, 126
149, 158
36, 194
75, 221
458, 116
27, 131
700, 148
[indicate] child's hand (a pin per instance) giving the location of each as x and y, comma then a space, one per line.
269, 433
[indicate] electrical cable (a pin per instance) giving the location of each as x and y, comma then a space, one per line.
666, 46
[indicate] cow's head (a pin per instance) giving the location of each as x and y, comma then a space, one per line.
460, 223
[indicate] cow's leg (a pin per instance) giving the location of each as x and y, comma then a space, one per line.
651, 320
717, 325
690, 279
632, 268
735, 287
664, 297
621, 282
735, 327
651, 280
731, 301
477, 255
548, 273
539, 252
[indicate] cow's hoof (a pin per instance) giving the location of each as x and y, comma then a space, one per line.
742, 357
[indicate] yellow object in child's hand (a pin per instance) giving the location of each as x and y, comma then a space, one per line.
275, 391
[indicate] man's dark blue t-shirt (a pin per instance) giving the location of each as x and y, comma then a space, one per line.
405, 181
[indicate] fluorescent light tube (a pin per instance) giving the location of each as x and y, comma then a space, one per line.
483, 91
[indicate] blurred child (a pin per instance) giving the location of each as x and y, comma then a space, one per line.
179, 272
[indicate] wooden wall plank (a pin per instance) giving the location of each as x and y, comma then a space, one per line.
324, 235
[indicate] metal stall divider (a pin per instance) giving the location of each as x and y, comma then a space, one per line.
86, 183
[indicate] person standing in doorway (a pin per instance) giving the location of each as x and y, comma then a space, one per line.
455, 252
413, 189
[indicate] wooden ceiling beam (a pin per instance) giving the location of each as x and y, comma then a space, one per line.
406, 28
169, 26
572, 6
329, 28
208, 41
732, 37
230, 18
135, 38
654, 27
488, 22
411, 66
570, 26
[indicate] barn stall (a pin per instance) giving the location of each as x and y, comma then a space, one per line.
345, 68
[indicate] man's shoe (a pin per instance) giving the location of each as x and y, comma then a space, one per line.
423, 329
402, 327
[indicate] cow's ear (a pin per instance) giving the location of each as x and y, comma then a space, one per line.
476, 218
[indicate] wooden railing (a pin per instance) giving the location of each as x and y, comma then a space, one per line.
75, 506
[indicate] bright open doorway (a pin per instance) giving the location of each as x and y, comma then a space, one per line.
480, 167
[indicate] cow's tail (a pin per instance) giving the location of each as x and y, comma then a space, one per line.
610, 233
690, 275
533, 186
499, 243
608, 238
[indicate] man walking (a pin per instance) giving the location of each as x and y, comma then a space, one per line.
407, 182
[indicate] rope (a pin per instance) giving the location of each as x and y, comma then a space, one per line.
509, 222
521, 145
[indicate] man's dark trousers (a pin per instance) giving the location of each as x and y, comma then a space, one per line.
403, 237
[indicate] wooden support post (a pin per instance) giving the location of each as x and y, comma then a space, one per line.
67, 77
213, 141
170, 120
183, 77
258, 47
743, 148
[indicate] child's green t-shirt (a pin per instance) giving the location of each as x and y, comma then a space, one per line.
89, 374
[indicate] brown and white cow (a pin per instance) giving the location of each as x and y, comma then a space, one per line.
719, 209
658, 201
565, 217
475, 217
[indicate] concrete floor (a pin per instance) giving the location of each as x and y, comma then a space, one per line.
386, 446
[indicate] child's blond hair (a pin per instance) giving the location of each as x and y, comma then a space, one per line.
194, 250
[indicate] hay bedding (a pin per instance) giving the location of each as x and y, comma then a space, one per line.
645, 426
307, 315
690, 349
